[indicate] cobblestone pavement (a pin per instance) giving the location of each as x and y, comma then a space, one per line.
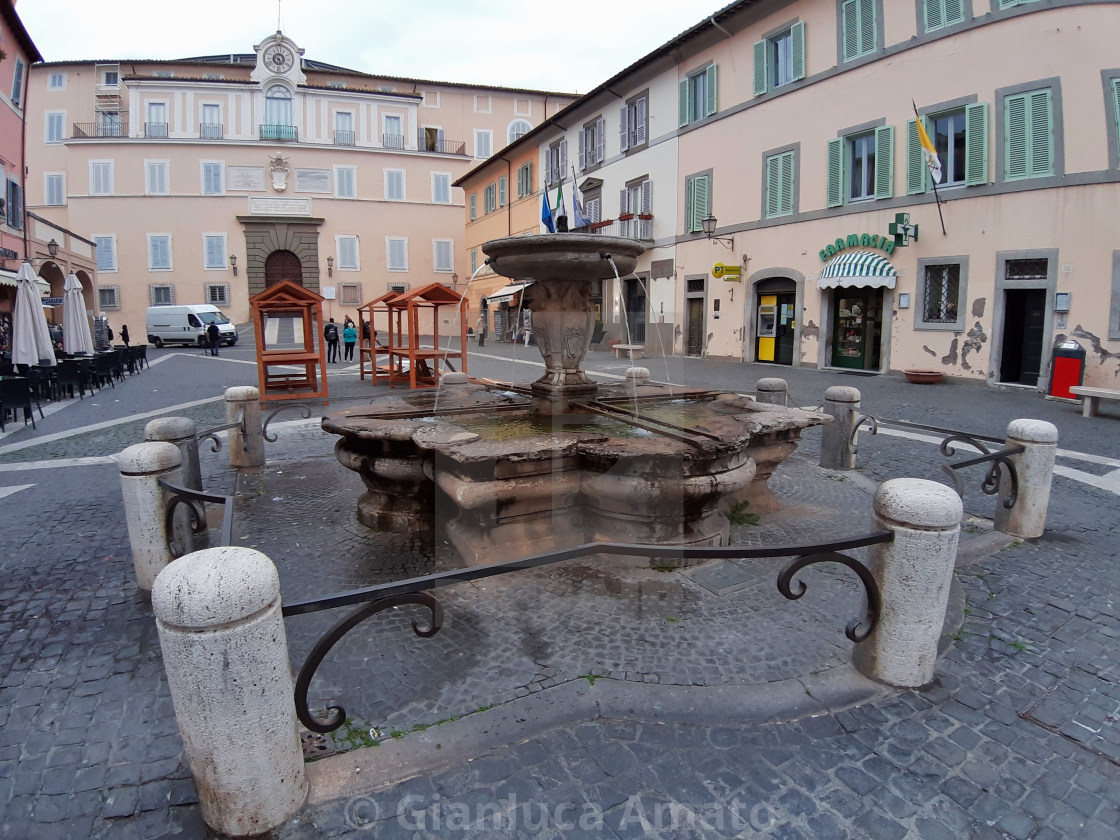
1019, 738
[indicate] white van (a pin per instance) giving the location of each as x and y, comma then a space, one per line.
187, 324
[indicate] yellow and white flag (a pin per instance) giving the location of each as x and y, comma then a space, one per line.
932, 161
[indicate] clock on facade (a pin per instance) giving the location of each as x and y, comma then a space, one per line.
278, 58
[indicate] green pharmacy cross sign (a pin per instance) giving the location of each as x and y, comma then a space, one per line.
902, 230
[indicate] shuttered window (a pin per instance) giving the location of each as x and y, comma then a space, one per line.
961, 139
394, 185
441, 187
859, 28
159, 251
937, 14
861, 166
214, 251
396, 253
780, 170
698, 206
442, 254
348, 253
636, 200
17, 84
346, 182
106, 252
633, 123
779, 59
100, 177
212, 172
474, 206
1116, 112
698, 96
156, 177
591, 144
55, 188
1029, 142
525, 180
503, 191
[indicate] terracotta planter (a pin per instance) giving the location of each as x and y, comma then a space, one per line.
923, 377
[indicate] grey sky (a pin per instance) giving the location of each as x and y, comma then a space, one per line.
571, 45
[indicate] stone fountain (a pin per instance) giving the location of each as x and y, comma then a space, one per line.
503, 471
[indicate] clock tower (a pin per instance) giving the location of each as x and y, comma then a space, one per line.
278, 55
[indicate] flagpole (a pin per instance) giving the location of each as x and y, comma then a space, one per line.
936, 197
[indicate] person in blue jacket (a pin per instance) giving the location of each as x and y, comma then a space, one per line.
349, 338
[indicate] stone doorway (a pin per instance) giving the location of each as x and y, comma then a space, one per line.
281, 266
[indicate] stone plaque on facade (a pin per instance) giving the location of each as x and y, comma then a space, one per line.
313, 180
245, 178
279, 206
661, 268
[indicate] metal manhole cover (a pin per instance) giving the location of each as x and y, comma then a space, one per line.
1085, 708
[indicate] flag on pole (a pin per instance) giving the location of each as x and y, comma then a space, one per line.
546, 214
560, 209
932, 161
579, 220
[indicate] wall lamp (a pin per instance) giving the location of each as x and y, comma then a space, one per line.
330, 266
709, 225
233, 264
52, 248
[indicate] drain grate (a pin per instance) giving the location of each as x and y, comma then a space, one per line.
1085, 708
316, 745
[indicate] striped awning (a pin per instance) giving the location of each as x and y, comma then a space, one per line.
506, 294
858, 268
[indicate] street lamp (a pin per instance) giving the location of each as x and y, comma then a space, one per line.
330, 266
52, 248
233, 263
709, 225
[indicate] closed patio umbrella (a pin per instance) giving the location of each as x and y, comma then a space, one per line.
31, 341
76, 336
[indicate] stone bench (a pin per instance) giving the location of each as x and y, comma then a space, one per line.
634, 350
1091, 398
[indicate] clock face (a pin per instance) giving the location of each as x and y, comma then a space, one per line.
278, 58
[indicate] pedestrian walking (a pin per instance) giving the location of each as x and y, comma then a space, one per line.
349, 337
481, 329
124, 334
215, 336
330, 333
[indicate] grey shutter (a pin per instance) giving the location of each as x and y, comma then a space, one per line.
884, 161
711, 105
583, 132
599, 131
682, 104
797, 35
624, 128
915, 160
835, 178
641, 111
760, 81
976, 144
563, 167
646, 227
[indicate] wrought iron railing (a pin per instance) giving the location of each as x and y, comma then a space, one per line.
279, 132
376, 599
343, 137
99, 129
194, 502
264, 426
392, 141
155, 129
212, 434
1000, 458
210, 131
441, 146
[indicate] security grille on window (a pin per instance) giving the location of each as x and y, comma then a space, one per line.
942, 294
109, 297
397, 288
556, 162
350, 294
217, 294
591, 144
161, 295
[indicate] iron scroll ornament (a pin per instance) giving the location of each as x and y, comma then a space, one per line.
856, 630
336, 715
264, 428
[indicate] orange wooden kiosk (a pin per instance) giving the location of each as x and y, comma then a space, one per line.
403, 341
305, 353
370, 344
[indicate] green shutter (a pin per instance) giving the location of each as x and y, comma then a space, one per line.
1016, 164
867, 26
689, 190
773, 186
786, 184
884, 161
1041, 135
712, 84
683, 110
849, 24
933, 13
702, 199
797, 34
916, 168
954, 11
836, 172
760, 83
1116, 115
976, 144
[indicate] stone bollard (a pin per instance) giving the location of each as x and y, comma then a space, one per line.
181, 432
771, 390
145, 505
914, 573
1035, 470
841, 403
226, 657
245, 450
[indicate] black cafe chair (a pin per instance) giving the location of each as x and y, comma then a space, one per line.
15, 393
68, 378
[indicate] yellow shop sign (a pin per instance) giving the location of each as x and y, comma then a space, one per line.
727, 272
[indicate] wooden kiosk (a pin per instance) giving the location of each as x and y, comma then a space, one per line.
373, 318
287, 370
403, 344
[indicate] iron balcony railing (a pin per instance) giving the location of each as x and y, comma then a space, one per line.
210, 131
155, 129
392, 141
343, 137
441, 146
99, 129
634, 227
279, 132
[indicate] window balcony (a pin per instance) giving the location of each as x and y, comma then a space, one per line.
440, 146
344, 137
104, 128
279, 132
155, 129
210, 131
628, 226
392, 141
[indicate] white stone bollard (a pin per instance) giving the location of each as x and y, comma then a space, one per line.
245, 450
182, 432
914, 573
771, 390
841, 403
145, 505
1034, 468
226, 657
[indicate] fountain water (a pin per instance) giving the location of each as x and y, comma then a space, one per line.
507, 471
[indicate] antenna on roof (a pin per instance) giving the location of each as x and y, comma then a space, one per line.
279, 28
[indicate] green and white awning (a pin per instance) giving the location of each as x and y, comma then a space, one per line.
858, 268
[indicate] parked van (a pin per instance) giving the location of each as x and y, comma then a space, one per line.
187, 324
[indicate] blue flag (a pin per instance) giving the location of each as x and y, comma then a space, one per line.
546, 214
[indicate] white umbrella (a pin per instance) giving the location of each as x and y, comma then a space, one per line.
75, 322
31, 340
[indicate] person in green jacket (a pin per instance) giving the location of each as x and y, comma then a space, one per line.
349, 338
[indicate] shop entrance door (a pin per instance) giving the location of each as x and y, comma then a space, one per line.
857, 327
784, 350
1024, 316
695, 326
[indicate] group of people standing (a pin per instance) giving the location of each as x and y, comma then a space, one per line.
349, 339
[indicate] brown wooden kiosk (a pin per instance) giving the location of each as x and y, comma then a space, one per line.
403, 342
373, 317
288, 371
